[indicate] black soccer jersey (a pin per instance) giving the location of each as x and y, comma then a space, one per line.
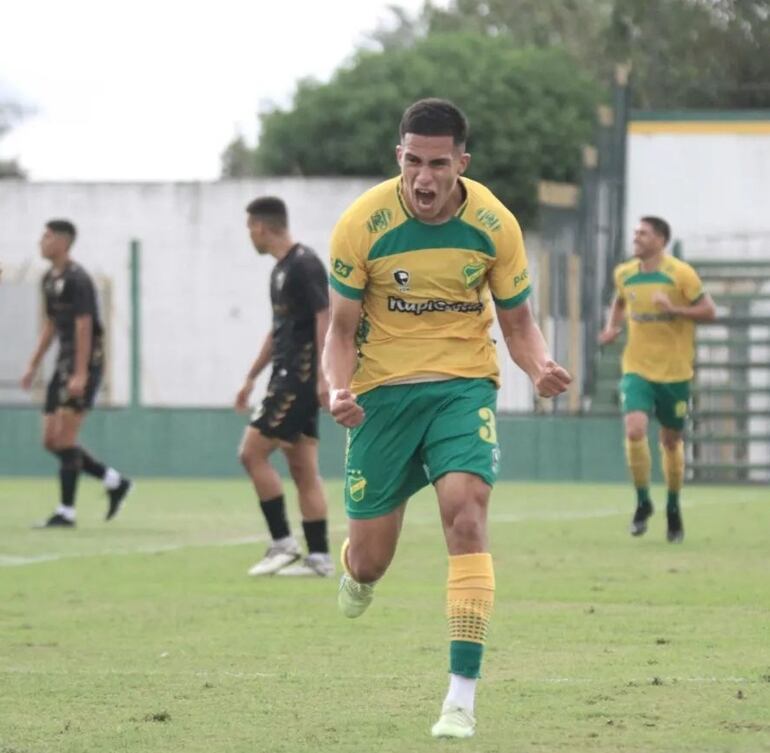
298, 290
69, 294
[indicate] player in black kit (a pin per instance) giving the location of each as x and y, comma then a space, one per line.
72, 315
288, 416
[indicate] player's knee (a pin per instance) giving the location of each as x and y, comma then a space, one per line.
51, 443
363, 568
304, 475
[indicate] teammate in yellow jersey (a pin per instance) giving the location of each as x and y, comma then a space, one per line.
661, 298
418, 262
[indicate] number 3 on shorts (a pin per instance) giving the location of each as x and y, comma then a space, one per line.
488, 429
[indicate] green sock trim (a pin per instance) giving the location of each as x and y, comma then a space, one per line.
465, 658
672, 502
642, 496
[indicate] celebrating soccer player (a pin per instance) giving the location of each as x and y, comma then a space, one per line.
662, 298
72, 315
418, 262
288, 416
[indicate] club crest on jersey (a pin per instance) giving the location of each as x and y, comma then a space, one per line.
356, 486
473, 274
379, 220
401, 276
58, 286
280, 277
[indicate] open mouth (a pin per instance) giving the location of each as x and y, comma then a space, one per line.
424, 198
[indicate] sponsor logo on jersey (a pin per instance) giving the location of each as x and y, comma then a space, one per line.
342, 269
473, 274
379, 220
434, 304
521, 279
401, 276
488, 219
663, 316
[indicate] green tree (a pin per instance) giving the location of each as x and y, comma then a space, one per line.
530, 113
10, 114
238, 159
684, 53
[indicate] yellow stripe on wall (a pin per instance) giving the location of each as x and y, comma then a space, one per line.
750, 127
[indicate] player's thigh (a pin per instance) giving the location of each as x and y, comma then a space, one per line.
637, 394
382, 462
671, 404
255, 446
462, 434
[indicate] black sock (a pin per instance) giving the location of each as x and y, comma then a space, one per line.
315, 535
68, 474
91, 466
274, 511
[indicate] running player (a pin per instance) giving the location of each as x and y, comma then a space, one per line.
662, 298
419, 264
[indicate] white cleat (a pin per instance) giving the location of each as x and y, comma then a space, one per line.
354, 598
454, 722
277, 557
315, 564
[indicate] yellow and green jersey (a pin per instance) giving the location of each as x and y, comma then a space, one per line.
427, 290
661, 346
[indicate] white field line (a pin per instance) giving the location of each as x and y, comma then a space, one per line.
221, 674
12, 560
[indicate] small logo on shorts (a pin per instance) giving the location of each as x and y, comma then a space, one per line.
401, 276
356, 486
680, 409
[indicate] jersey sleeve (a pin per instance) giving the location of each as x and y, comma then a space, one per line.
509, 275
617, 276
348, 275
313, 287
83, 296
690, 284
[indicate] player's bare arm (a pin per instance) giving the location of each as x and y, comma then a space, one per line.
528, 349
702, 310
83, 336
43, 343
340, 360
321, 328
259, 365
615, 321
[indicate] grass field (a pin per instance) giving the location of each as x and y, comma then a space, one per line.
145, 635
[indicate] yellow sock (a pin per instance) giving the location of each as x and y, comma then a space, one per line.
470, 598
673, 466
639, 461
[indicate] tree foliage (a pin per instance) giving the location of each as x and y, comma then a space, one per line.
10, 114
530, 113
684, 53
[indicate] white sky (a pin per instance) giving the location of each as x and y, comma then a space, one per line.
155, 90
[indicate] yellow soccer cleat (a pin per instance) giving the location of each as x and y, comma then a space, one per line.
454, 722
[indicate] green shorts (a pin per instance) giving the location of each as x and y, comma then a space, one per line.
415, 433
668, 401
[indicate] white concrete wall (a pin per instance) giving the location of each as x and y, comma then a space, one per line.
205, 300
713, 187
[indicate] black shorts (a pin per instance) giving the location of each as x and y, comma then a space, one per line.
288, 410
57, 395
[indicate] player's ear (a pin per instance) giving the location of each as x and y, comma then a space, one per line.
465, 160
399, 153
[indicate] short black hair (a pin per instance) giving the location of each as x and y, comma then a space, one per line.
63, 227
660, 226
270, 209
435, 117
